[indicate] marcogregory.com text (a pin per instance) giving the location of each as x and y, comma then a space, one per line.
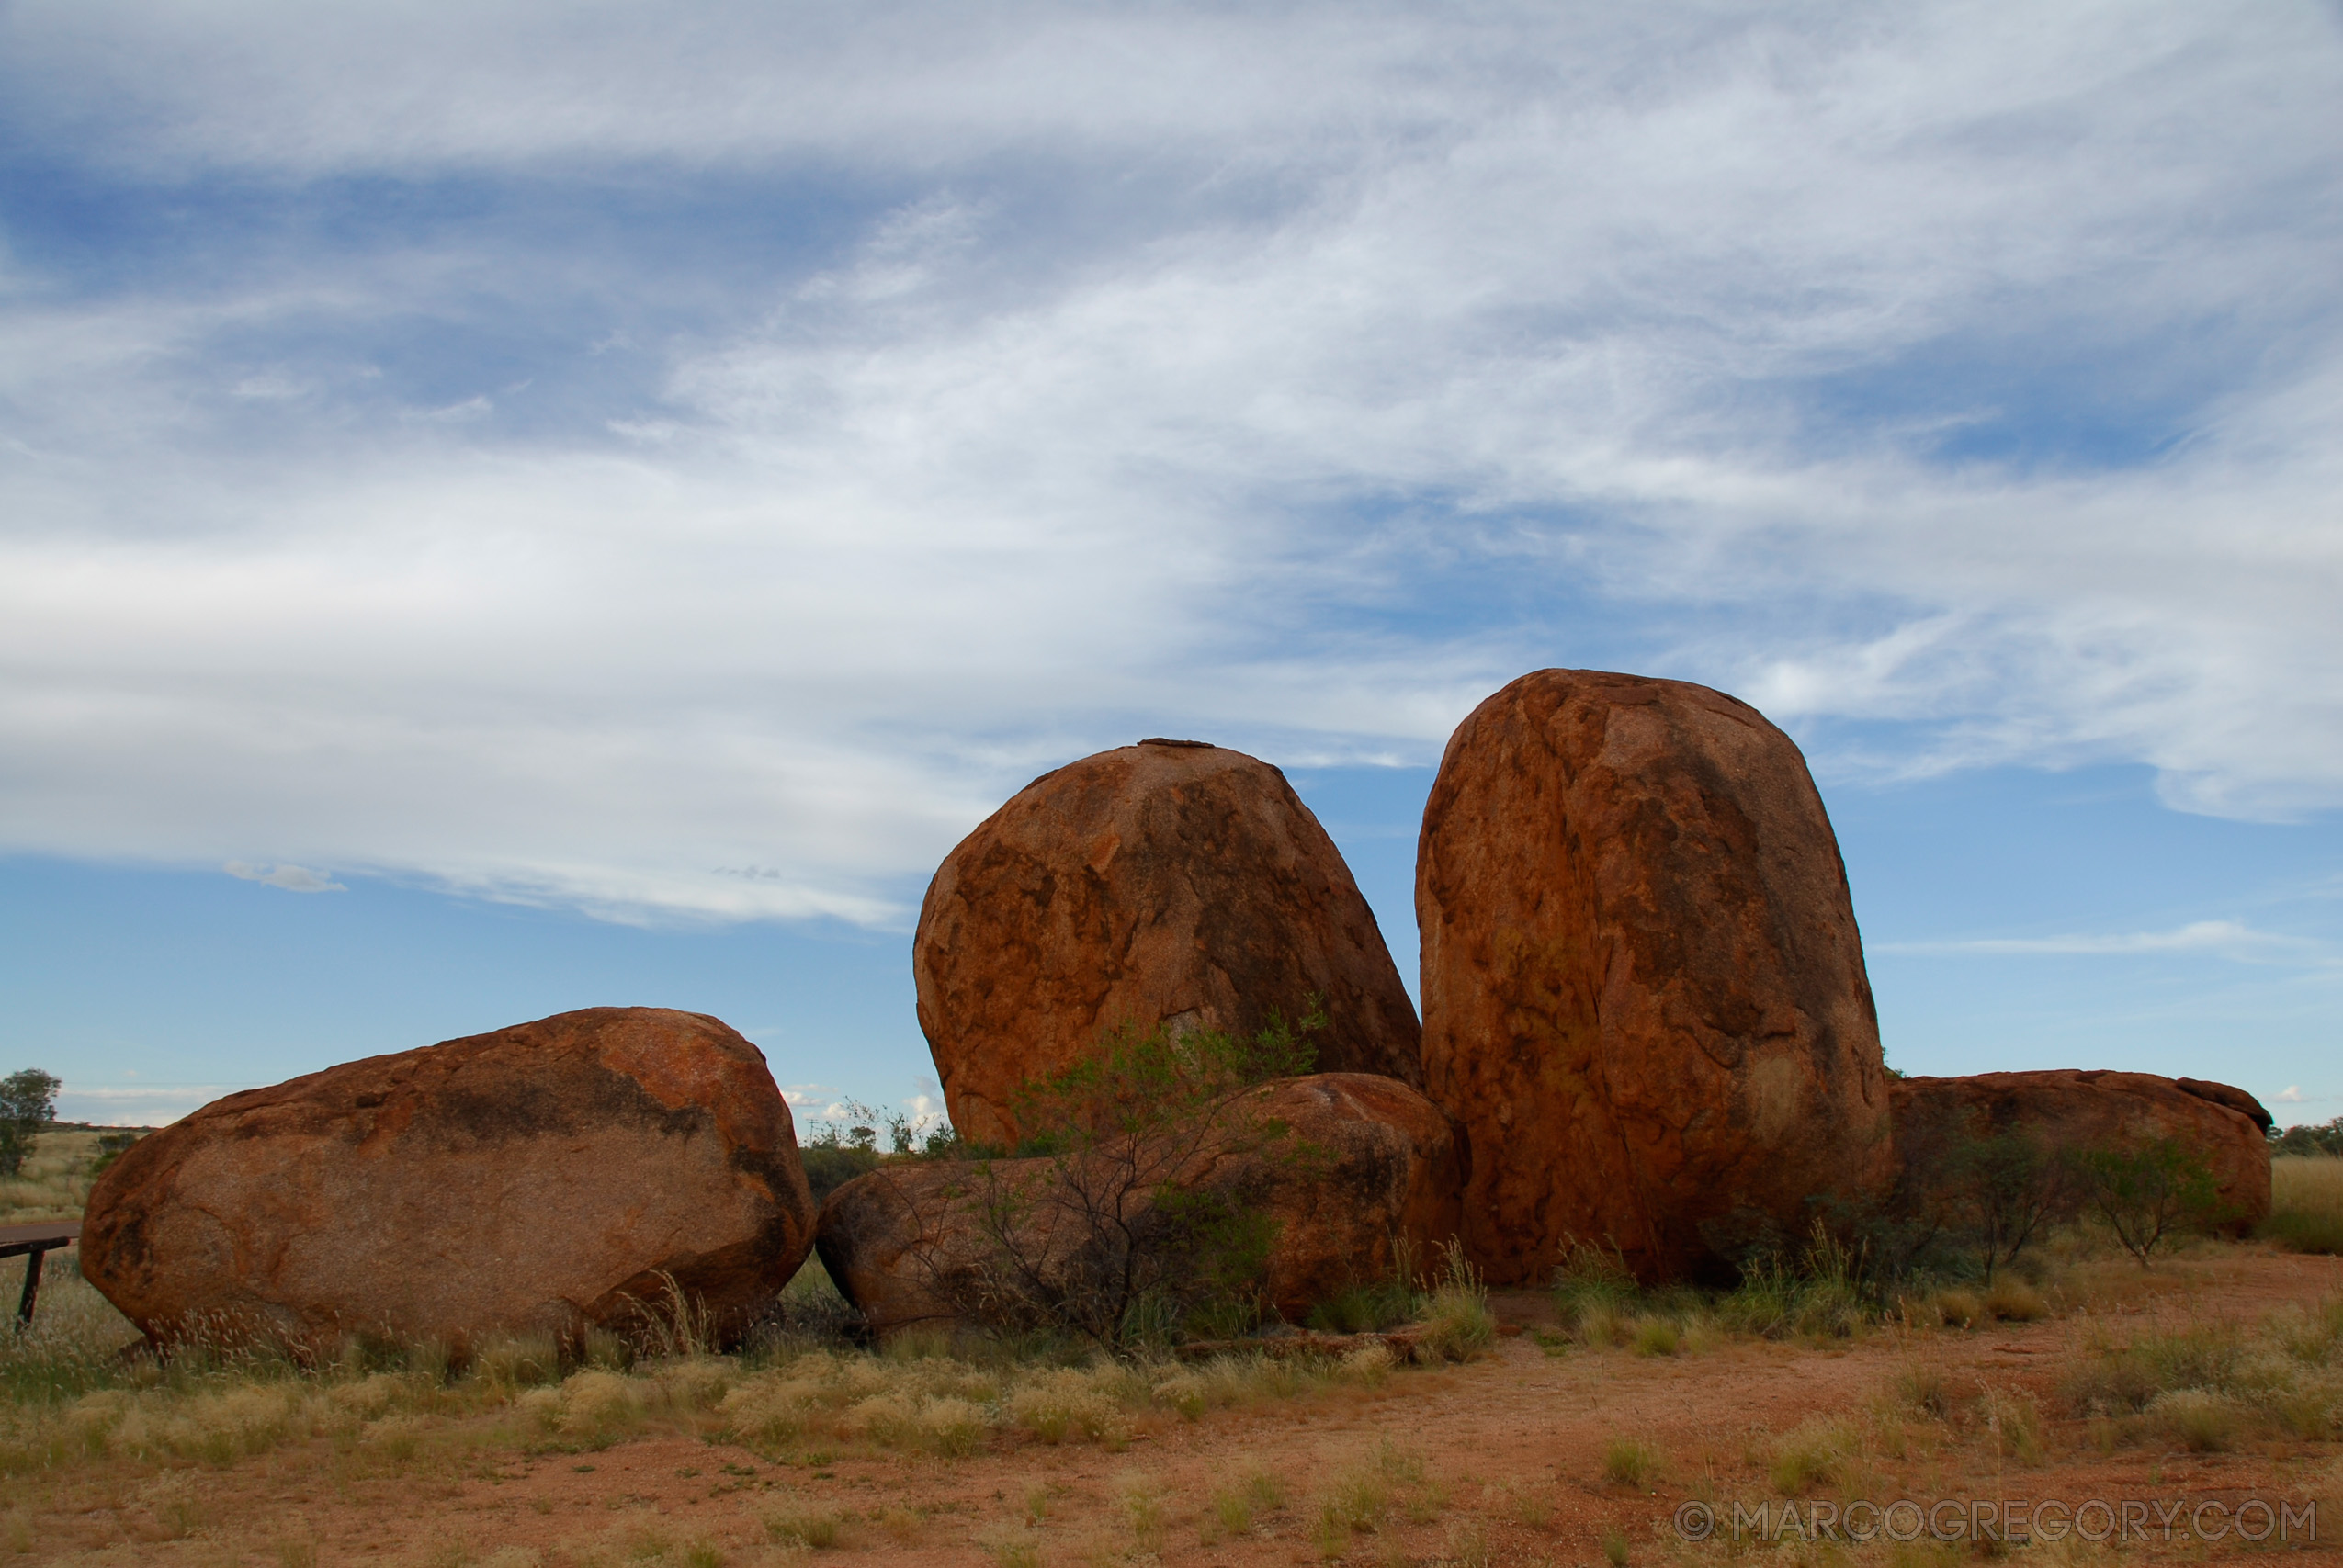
2094, 1519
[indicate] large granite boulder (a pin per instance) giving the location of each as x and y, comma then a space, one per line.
1168, 883
2071, 1112
1350, 1169
1643, 993
543, 1179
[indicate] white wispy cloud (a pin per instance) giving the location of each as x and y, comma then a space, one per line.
291, 878
1290, 378
137, 1105
2226, 939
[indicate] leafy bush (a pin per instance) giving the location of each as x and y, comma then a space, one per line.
2150, 1193
1971, 1198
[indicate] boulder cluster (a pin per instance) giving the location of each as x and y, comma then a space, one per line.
1647, 1026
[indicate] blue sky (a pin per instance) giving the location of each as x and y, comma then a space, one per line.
506, 508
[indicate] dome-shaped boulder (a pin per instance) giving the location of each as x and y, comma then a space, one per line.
1167, 883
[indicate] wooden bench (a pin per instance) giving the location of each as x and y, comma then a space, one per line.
36, 1241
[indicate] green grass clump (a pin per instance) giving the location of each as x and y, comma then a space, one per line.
1629, 1461
1814, 1455
2208, 1387
803, 1526
1457, 1322
1367, 1309
1595, 1294
1656, 1337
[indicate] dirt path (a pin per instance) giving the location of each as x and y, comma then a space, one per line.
1502, 1461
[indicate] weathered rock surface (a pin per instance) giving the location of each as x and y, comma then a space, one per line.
1644, 994
543, 1179
1365, 1160
2236, 1099
2073, 1111
1167, 883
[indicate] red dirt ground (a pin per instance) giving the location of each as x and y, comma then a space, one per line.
1511, 1449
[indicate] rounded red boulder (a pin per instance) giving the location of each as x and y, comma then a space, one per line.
1643, 992
1167, 883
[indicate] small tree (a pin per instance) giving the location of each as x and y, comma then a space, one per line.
27, 1103
1967, 1189
2150, 1193
1107, 1229
2003, 1187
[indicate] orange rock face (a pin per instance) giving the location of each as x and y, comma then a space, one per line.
543, 1179
1365, 1160
1644, 994
2074, 1110
1168, 883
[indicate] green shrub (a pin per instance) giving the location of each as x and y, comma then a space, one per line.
2150, 1193
1099, 1235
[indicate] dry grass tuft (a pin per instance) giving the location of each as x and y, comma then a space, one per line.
1816, 1454
2011, 1300
2209, 1386
1656, 1337
2306, 1203
1629, 1461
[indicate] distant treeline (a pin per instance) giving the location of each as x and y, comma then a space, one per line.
2324, 1139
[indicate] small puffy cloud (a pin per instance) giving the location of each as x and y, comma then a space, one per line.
291, 878
2291, 1094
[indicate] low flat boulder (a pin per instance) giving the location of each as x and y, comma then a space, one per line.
1364, 1167
544, 1179
1169, 884
2072, 1110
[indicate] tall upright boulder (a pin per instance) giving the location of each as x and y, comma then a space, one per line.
1643, 992
1169, 882
545, 1178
